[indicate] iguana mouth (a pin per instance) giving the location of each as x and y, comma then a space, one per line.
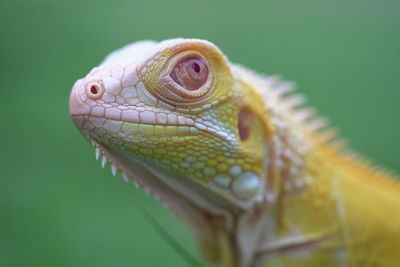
113, 119
119, 126
182, 127
137, 115
132, 120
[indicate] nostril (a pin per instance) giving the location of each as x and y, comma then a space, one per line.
94, 90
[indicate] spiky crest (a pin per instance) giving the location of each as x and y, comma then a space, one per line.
279, 95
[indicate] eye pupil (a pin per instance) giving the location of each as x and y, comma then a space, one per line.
196, 67
94, 90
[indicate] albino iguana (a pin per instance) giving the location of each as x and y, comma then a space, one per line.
236, 159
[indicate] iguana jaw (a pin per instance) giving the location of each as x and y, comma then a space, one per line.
181, 196
102, 128
130, 132
207, 215
143, 172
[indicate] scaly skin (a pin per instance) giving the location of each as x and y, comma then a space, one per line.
239, 163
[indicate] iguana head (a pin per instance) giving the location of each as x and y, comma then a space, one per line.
173, 116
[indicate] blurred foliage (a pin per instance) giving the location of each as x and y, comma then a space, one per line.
59, 208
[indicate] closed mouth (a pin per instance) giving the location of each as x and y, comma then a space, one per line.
112, 125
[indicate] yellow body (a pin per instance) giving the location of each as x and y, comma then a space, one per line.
355, 203
341, 200
236, 159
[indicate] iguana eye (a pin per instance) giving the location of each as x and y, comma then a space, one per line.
188, 78
190, 73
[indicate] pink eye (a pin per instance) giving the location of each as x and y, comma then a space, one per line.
190, 73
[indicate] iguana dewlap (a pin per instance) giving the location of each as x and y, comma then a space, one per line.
236, 159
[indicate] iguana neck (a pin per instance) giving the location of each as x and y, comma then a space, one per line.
258, 225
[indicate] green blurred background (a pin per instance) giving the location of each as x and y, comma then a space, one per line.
58, 207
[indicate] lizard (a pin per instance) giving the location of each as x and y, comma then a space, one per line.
255, 175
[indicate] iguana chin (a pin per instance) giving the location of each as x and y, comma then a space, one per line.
236, 159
